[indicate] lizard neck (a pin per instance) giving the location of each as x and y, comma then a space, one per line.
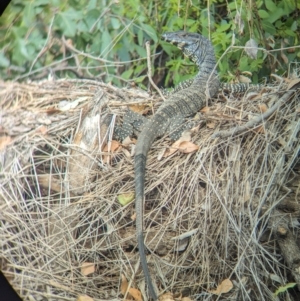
207, 77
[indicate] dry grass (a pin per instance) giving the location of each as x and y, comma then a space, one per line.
206, 214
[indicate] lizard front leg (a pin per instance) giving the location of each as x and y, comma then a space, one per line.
132, 124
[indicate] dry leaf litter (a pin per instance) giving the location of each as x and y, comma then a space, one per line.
209, 213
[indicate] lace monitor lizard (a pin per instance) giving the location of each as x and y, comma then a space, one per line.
186, 100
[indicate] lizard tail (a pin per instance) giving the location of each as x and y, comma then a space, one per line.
142, 147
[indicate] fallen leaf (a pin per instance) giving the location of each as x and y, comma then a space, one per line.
47, 180
253, 96
293, 83
51, 111
87, 268
139, 108
127, 141
284, 288
124, 285
251, 48
112, 147
161, 154
186, 136
43, 130
223, 288
205, 110
211, 125
172, 149
136, 294
284, 57
126, 153
244, 79
263, 107
65, 105
84, 298
188, 147
125, 198
69, 42
183, 144
291, 50
133, 216
4, 141
166, 297
78, 138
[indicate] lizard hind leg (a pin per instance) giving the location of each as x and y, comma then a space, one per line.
178, 125
132, 124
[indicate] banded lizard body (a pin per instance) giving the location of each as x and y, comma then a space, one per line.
170, 117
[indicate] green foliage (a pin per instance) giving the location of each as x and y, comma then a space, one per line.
105, 38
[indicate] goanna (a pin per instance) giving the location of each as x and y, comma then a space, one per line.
169, 119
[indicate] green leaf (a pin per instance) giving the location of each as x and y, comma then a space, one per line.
270, 5
141, 51
95, 47
140, 37
140, 79
179, 22
105, 43
263, 14
150, 32
82, 26
20, 54
244, 64
127, 74
28, 14
190, 22
37, 3
91, 17
125, 198
115, 23
290, 33
138, 69
91, 4
223, 27
4, 62
284, 288
276, 15
269, 27
294, 25
65, 24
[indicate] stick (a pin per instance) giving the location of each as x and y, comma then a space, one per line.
255, 121
150, 70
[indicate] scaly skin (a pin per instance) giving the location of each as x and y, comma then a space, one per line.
230, 88
170, 115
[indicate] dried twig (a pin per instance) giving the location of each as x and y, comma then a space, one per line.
255, 121
150, 70
44, 49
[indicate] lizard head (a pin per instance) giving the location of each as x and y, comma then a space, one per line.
193, 45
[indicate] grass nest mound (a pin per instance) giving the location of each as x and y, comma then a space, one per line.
220, 211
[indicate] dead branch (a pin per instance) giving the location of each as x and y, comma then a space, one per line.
255, 121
